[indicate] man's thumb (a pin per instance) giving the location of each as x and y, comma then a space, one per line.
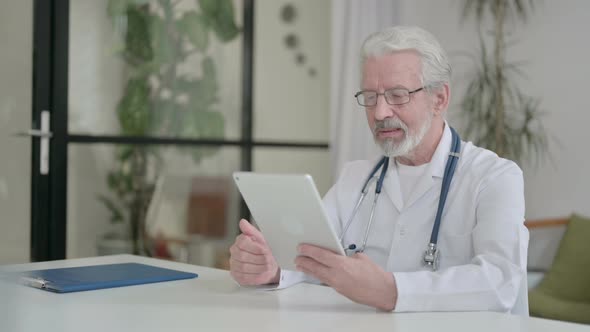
250, 230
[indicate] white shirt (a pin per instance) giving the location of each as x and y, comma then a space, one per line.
482, 238
408, 177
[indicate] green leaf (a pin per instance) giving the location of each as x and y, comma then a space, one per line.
117, 7
202, 124
518, 8
139, 2
184, 84
208, 66
134, 108
209, 124
221, 15
209, 7
198, 154
116, 213
194, 26
125, 152
165, 50
137, 38
203, 93
146, 69
169, 118
112, 180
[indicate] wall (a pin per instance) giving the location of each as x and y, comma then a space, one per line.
289, 104
556, 52
16, 56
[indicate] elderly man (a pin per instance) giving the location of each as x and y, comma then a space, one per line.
478, 259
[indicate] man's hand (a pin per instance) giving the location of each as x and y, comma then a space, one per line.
251, 262
355, 277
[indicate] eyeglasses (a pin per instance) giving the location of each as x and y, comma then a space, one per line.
395, 96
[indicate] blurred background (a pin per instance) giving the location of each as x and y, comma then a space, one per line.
123, 120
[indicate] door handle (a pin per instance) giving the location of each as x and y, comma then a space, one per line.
34, 133
44, 134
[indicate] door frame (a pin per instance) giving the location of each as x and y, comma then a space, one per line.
50, 93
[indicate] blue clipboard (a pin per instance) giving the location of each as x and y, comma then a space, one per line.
77, 279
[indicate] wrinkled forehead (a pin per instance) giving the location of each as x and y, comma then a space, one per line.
397, 69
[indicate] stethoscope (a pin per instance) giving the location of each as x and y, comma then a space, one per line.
432, 253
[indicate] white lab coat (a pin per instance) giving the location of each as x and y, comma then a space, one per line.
482, 239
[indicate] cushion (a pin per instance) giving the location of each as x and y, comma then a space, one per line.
565, 289
547, 306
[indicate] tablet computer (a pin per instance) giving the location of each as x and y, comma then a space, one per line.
289, 211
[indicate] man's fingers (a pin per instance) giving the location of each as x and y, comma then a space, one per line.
362, 256
252, 231
246, 257
314, 268
251, 261
324, 256
248, 268
248, 279
245, 243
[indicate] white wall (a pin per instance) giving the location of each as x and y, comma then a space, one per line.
289, 104
16, 56
555, 46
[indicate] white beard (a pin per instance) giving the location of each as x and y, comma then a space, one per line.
392, 149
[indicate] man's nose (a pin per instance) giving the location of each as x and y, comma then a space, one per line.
382, 109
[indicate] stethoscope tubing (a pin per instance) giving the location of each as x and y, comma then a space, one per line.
447, 178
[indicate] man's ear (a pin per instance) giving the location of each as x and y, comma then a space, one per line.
441, 99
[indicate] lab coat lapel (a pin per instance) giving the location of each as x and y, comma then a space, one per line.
423, 185
392, 187
434, 170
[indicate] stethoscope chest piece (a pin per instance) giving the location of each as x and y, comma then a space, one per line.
352, 249
432, 257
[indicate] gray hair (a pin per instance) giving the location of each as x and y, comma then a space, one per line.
436, 70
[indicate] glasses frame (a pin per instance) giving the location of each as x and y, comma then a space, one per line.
356, 96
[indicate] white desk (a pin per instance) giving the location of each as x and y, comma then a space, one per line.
213, 302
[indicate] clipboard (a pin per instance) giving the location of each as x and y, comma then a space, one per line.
85, 278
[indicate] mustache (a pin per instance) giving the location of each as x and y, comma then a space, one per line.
390, 123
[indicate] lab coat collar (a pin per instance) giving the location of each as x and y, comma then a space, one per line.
441, 154
436, 168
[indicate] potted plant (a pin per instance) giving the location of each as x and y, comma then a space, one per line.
499, 115
160, 99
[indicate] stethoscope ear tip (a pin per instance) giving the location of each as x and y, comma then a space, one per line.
352, 247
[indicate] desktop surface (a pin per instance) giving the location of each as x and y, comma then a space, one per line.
213, 302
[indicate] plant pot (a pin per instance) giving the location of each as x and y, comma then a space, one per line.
113, 246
